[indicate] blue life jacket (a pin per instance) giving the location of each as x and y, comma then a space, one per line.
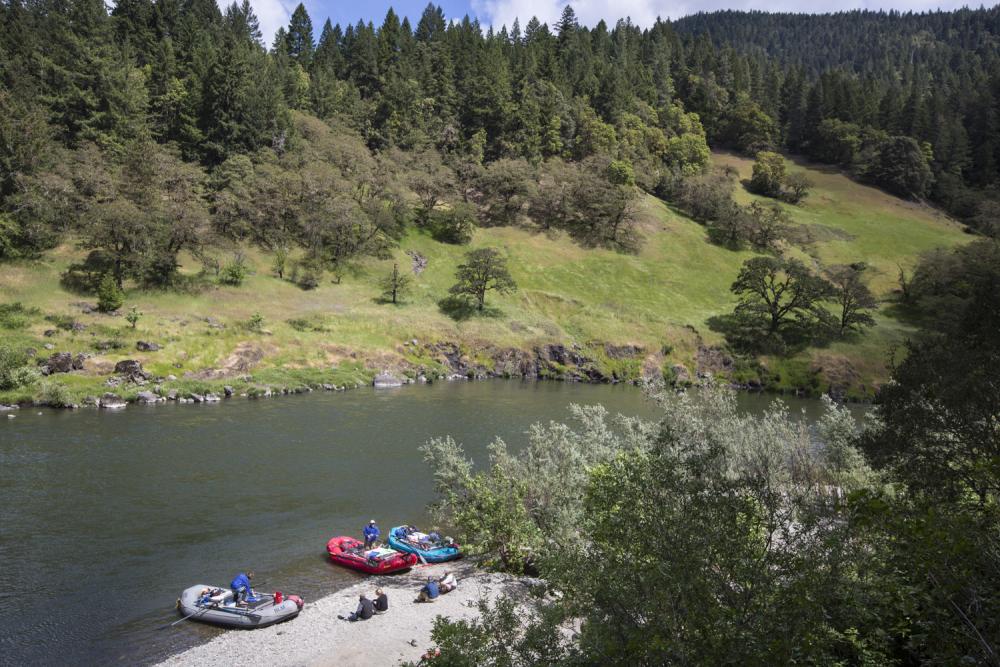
371, 531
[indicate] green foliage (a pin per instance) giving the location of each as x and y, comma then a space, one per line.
395, 286
14, 371
780, 302
55, 394
484, 270
133, 316
455, 225
768, 174
255, 323
16, 315
234, 273
706, 538
109, 295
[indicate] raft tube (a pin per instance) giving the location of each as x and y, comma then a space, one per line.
351, 553
197, 603
434, 553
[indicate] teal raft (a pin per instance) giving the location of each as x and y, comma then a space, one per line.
430, 548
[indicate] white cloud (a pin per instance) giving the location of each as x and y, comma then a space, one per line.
645, 12
272, 14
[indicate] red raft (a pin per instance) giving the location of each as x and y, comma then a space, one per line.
351, 553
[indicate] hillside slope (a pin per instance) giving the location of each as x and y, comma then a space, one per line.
625, 314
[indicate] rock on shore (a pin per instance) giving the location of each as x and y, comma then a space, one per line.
317, 638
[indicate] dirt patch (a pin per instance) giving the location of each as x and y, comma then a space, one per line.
245, 357
713, 360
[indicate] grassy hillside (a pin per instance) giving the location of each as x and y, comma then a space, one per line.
659, 300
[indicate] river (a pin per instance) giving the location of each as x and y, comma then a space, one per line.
106, 516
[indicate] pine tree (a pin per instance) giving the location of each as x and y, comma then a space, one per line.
299, 41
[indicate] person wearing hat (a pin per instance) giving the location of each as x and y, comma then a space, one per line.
241, 587
371, 534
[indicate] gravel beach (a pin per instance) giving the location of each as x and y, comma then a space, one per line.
318, 638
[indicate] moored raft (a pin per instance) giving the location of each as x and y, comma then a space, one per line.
430, 548
351, 553
213, 604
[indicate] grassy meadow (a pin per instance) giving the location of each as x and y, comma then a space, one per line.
660, 299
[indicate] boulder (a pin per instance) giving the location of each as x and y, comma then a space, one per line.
132, 370
49, 333
60, 362
211, 398
198, 398
171, 378
147, 397
146, 346
172, 395
49, 346
228, 391
328, 387
383, 380
79, 360
111, 402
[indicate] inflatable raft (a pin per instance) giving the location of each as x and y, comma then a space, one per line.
212, 604
405, 538
351, 553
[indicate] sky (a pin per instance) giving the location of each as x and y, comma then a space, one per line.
275, 13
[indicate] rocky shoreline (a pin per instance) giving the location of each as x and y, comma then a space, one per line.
596, 363
317, 637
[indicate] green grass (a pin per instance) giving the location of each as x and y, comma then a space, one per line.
342, 333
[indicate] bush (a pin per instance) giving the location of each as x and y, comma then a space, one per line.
15, 315
455, 226
11, 365
109, 296
255, 323
55, 395
233, 273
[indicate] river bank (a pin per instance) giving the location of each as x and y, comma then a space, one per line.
317, 637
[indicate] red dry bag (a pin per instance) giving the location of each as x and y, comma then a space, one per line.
278, 597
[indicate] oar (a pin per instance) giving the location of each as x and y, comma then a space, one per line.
200, 611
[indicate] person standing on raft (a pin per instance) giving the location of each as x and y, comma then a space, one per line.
371, 534
241, 587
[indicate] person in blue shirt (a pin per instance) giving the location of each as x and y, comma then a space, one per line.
241, 587
429, 592
371, 534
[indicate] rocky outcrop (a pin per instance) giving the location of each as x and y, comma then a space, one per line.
147, 397
131, 370
712, 361
60, 362
111, 402
146, 346
386, 380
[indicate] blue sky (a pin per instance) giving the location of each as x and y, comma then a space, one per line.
275, 13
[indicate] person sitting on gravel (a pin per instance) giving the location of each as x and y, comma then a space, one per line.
364, 611
381, 601
429, 592
447, 583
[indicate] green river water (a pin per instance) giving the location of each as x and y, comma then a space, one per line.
106, 516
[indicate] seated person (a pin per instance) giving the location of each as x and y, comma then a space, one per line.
381, 601
447, 583
364, 611
435, 536
429, 592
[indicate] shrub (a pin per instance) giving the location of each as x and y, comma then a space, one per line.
55, 395
255, 323
109, 296
15, 315
455, 226
12, 369
233, 273
133, 315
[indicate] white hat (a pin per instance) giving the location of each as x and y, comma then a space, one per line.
372, 521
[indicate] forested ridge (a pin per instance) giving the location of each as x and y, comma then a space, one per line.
908, 102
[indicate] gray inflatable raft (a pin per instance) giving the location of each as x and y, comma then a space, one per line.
197, 603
